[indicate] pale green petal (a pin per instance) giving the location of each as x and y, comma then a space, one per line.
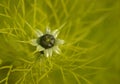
38, 33
48, 30
55, 33
50, 51
59, 42
57, 49
46, 52
33, 42
39, 48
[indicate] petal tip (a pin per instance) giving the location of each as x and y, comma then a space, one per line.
33, 42
38, 33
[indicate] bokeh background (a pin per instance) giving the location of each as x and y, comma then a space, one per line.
90, 55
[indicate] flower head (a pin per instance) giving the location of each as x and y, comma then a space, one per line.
47, 42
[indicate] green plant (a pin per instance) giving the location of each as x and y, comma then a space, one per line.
90, 53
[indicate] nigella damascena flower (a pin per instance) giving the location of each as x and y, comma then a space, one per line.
47, 42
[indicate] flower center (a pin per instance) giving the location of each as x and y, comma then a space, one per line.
46, 41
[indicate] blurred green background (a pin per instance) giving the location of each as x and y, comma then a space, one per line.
91, 52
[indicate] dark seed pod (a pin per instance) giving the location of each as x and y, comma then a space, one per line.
46, 41
41, 52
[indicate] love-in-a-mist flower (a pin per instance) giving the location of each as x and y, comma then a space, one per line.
47, 42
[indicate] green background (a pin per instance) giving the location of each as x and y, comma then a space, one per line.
91, 52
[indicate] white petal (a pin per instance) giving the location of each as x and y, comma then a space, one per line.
57, 49
38, 33
50, 51
39, 48
48, 30
46, 52
59, 42
33, 42
55, 33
